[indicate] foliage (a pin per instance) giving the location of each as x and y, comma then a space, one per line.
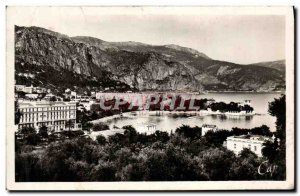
277, 108
18, 114
133, 156
69, 124
27, 130
230, 107
275, 151
245, 167
101, 140
189, 132
53, 99
43, 131
270, 150
100, 127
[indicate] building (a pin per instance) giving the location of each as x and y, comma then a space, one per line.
48, 97
246, 102
19, 88
206, 128
41, 90
27, 75
67, 90
252, 142
87, 104
32, 96
54, 115
85, 98
29, 89
210, 101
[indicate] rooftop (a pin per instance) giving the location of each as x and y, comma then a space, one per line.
209, 126
251, 137
44, 103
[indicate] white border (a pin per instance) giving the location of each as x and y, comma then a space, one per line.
211, 185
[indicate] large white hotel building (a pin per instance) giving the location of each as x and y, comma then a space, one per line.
54, 115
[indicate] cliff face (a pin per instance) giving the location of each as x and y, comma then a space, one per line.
141, 66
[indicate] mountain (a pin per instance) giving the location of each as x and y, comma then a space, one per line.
279, 65
87, 61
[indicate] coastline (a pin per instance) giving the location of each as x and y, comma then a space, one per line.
200, 113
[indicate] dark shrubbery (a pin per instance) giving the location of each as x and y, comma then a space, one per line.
100, 127
132, 156
179, 156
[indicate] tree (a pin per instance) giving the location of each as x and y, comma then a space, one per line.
88, 126
262, 130
130, 134
32, 139
69, 124
245, 168
217, 163
43, 131
27, 168
189, 132
277, 108
101, 140
117, 138
161, 136
18, 114
25, 131
246, 153
270, 150
100, 127
53, 98
217, 138
104, 171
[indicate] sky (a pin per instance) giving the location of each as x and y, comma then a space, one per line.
242, 39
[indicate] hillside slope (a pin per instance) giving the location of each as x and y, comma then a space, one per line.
133, 65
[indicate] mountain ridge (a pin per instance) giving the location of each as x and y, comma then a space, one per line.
141, 66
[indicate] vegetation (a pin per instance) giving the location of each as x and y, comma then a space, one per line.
100, 127
180, 156
18, 114
183, 155
276, 151
231, 107
64, 78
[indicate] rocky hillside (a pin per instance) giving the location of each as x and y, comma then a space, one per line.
279, 65
132, 65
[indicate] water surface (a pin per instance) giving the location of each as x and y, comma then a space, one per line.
168, 122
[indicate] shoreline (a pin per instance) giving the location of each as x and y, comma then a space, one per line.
198, 93
200, 113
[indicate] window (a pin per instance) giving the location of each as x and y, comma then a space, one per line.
255, 148
234, 146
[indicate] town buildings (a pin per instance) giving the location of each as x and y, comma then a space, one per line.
20, 88
55, 115
252, 142
29, 92
206, 128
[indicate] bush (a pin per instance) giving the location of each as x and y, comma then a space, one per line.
132, 156
100, 127
189, 132
32, 139
101, 140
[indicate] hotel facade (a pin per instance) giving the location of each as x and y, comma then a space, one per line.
54, 115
